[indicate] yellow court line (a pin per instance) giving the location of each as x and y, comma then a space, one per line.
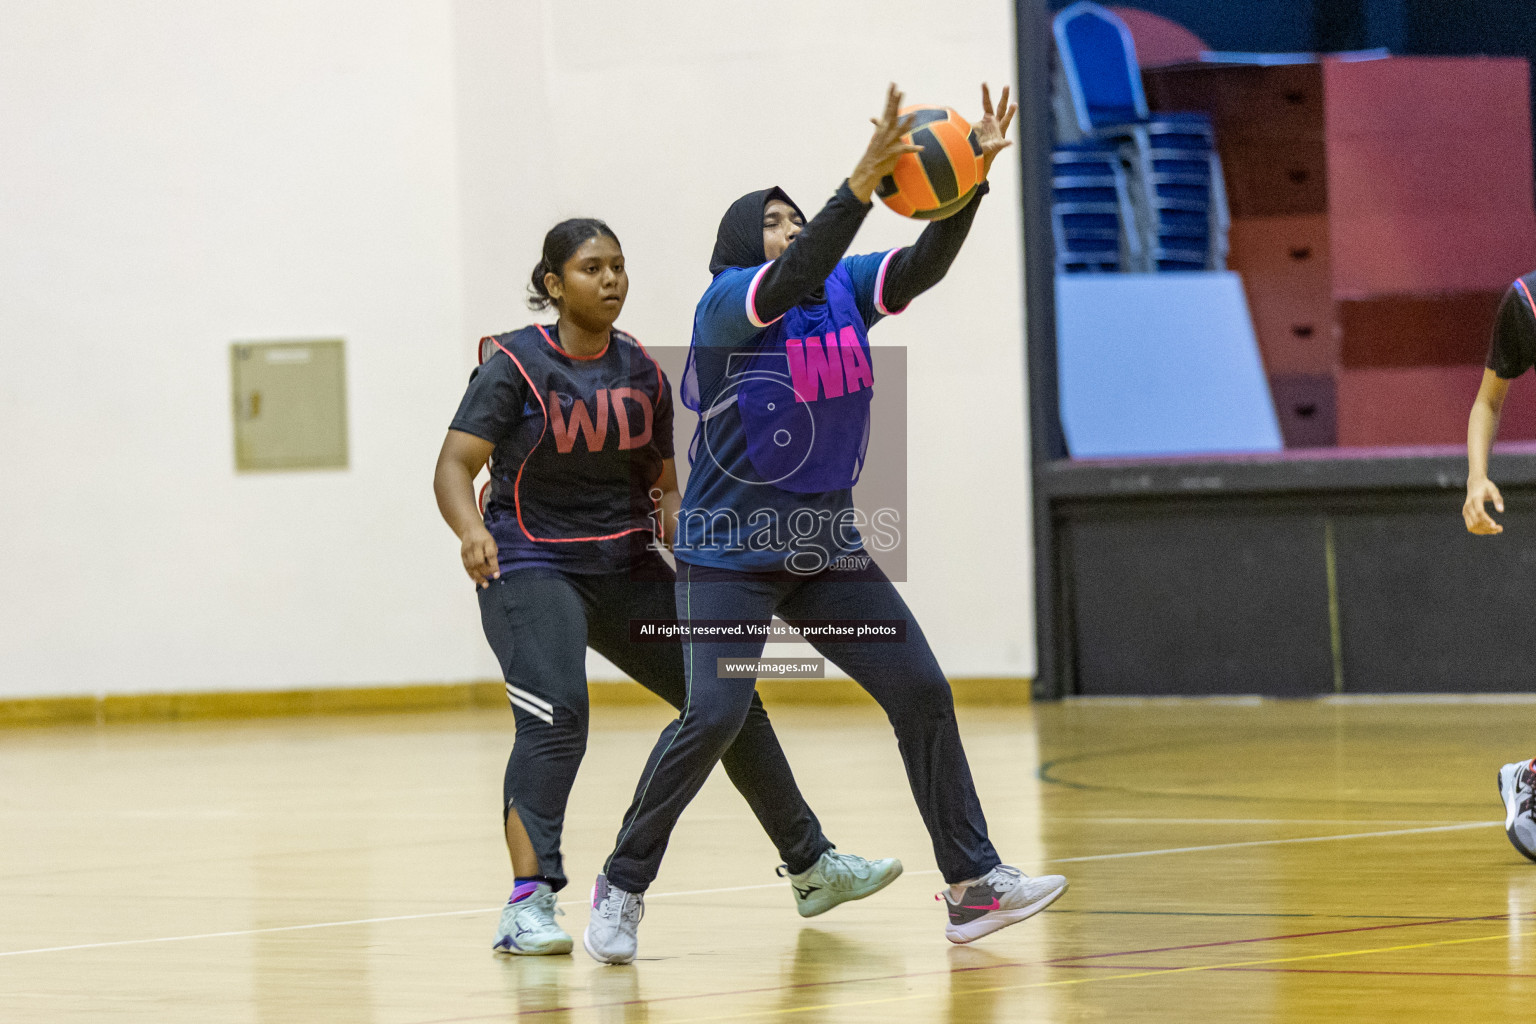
117, 708
1109, 977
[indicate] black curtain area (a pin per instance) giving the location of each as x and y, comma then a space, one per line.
1253, 25
1339, 25
1430, 27
1452, 27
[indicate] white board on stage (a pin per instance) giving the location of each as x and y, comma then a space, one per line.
1160, 364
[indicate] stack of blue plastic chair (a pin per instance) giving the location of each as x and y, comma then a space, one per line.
1091, 214
1169, 159
1177, 167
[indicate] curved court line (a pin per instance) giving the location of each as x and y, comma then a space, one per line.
733, 888
1274, 842
1045, 774
1064, 961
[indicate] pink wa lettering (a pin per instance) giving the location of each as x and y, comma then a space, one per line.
840, 368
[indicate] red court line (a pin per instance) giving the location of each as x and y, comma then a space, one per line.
1278, 938
1058, 962
732, 992
1404, 974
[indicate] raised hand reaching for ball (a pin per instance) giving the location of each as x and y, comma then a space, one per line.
992, 130
887, 146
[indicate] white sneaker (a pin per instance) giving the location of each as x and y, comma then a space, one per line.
528, 928
838, 878
610, 936
1517, 787
1001, 897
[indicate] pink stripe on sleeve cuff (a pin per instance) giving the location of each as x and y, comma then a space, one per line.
880, 285
752, 300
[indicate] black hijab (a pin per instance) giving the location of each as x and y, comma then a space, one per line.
739, 242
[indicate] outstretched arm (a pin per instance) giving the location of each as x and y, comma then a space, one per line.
919, 267
814, 255
1510, 354
1482, 427
923, 264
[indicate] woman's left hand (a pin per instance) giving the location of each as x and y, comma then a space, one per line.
992, 129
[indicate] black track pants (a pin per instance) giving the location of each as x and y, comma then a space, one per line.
540, 622
903, 677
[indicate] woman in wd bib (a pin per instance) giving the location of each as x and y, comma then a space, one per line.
781, 373
575, 419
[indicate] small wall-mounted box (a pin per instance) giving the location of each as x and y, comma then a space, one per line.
290, 404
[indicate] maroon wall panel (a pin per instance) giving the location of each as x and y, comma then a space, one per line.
1417, 330
1433, 94
1423, 405
1429, 253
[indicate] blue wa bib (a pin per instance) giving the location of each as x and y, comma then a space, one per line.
803, 390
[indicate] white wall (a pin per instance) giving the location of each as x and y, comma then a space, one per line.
655, 116
383, 172
178, 176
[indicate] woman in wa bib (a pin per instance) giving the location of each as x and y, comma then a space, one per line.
781, 373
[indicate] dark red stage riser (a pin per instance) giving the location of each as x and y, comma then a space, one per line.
1380, 209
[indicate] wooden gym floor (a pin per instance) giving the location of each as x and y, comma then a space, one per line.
1229, 862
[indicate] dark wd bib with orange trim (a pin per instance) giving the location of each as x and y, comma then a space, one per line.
580, 443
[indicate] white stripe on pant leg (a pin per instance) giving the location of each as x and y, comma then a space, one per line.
513, 691
543, 716
547, 719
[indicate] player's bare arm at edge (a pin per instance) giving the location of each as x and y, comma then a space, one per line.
668, 500
1482, 427
458, 463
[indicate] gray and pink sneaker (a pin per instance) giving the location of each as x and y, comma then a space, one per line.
610, 936
1517, 788
1001, 897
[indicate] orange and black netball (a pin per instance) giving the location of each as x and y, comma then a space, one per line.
938, 181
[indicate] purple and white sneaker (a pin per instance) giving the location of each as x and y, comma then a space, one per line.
1517, 787
1001, 897
528, 928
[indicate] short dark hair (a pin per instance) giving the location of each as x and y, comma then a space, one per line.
560, 244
